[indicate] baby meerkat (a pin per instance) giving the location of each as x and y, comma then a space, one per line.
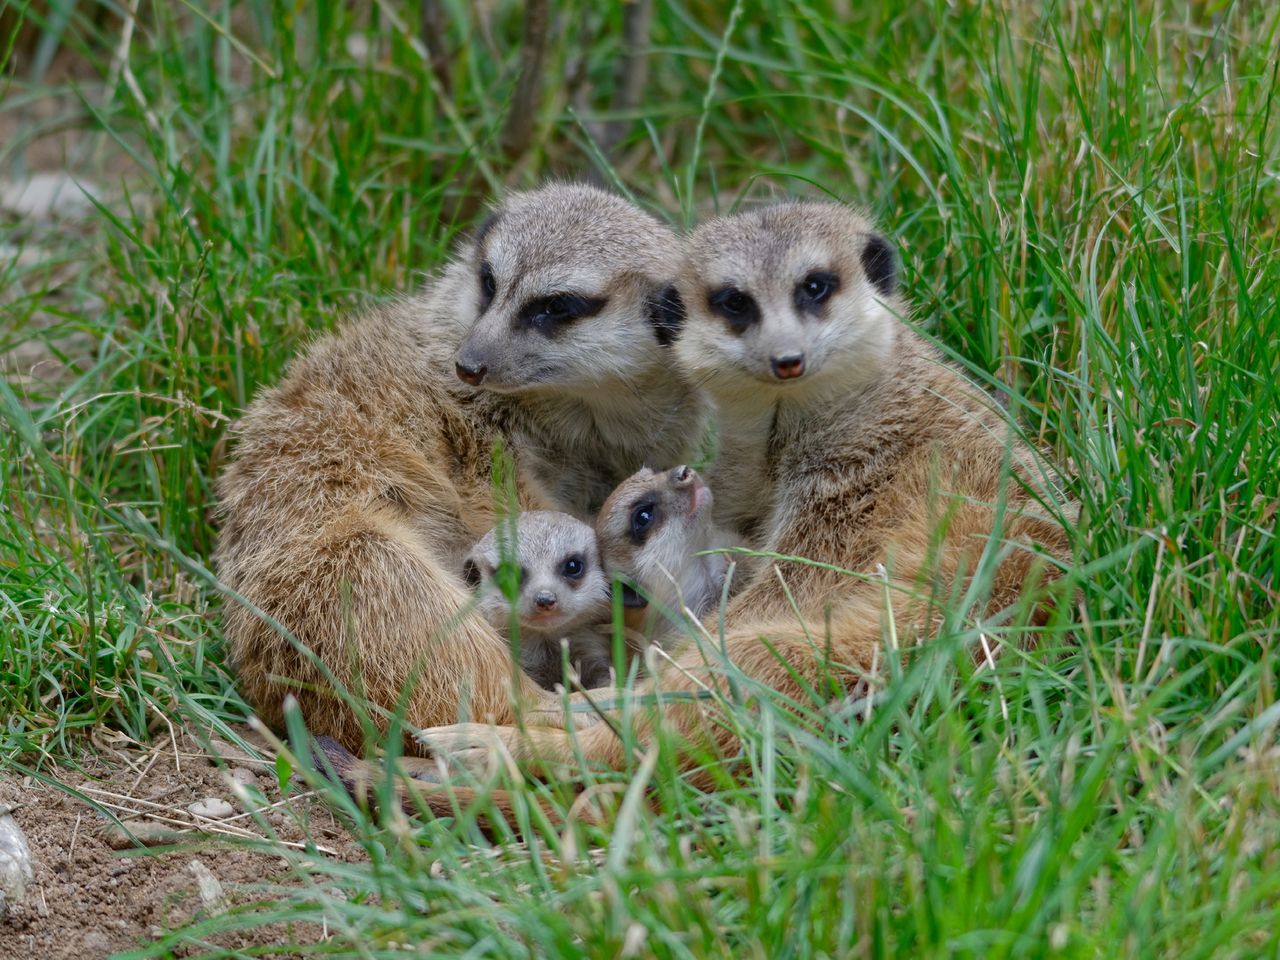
563, 594
847, 440
652, 532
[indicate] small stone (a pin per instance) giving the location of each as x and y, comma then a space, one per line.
211, 808
211, 893
95, 944
15, 862
140, 833
244, 776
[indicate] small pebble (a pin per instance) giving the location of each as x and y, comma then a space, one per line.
211, 808
139, 832
244, 776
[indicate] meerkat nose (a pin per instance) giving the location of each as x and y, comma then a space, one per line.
472, 373
682, 476
545, 601
788, 366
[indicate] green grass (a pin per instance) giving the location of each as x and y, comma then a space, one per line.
1086, 198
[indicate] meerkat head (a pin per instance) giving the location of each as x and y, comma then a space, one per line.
562, 584
568, 286
791, 298
649, 530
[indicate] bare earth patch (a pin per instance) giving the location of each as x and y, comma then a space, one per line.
96, 893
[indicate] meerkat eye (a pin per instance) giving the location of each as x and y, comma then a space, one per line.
738, 308
642, 516
548, 314
815, 289
574, 567
488, 283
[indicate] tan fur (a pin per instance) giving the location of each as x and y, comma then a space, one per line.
361, 479
881, 457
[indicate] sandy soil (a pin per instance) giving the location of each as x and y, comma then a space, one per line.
96, 893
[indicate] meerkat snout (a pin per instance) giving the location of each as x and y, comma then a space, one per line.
788, 366
470, 370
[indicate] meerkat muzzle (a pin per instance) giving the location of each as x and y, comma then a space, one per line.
789, 366
470, 373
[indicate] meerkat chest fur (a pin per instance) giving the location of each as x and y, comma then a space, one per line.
743, 474
605, 438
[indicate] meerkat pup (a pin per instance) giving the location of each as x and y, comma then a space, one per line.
653, 531
845, 439
360, 480
563, 594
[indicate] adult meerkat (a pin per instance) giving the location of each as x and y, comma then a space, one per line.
361, 478
653, 531
846, 440
563, 594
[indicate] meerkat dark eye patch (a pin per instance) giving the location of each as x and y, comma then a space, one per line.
666, 314
548, 315
880, 264
815, 290
471, 574
488, 286
739, 310
482, 231
643, 516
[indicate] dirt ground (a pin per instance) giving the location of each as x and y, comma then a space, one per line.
95, 893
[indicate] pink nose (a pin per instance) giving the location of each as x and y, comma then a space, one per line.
789, 366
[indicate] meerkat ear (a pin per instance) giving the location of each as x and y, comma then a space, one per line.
482, 231
666, 313
880, 264
471, 573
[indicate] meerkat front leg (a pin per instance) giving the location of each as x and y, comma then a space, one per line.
479, 748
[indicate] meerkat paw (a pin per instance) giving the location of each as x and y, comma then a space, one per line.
477, 748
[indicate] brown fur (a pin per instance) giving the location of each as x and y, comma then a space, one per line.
881, 457
362, 478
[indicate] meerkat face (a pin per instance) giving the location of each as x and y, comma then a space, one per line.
569, 287
651, 526
788, 299
562, 584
